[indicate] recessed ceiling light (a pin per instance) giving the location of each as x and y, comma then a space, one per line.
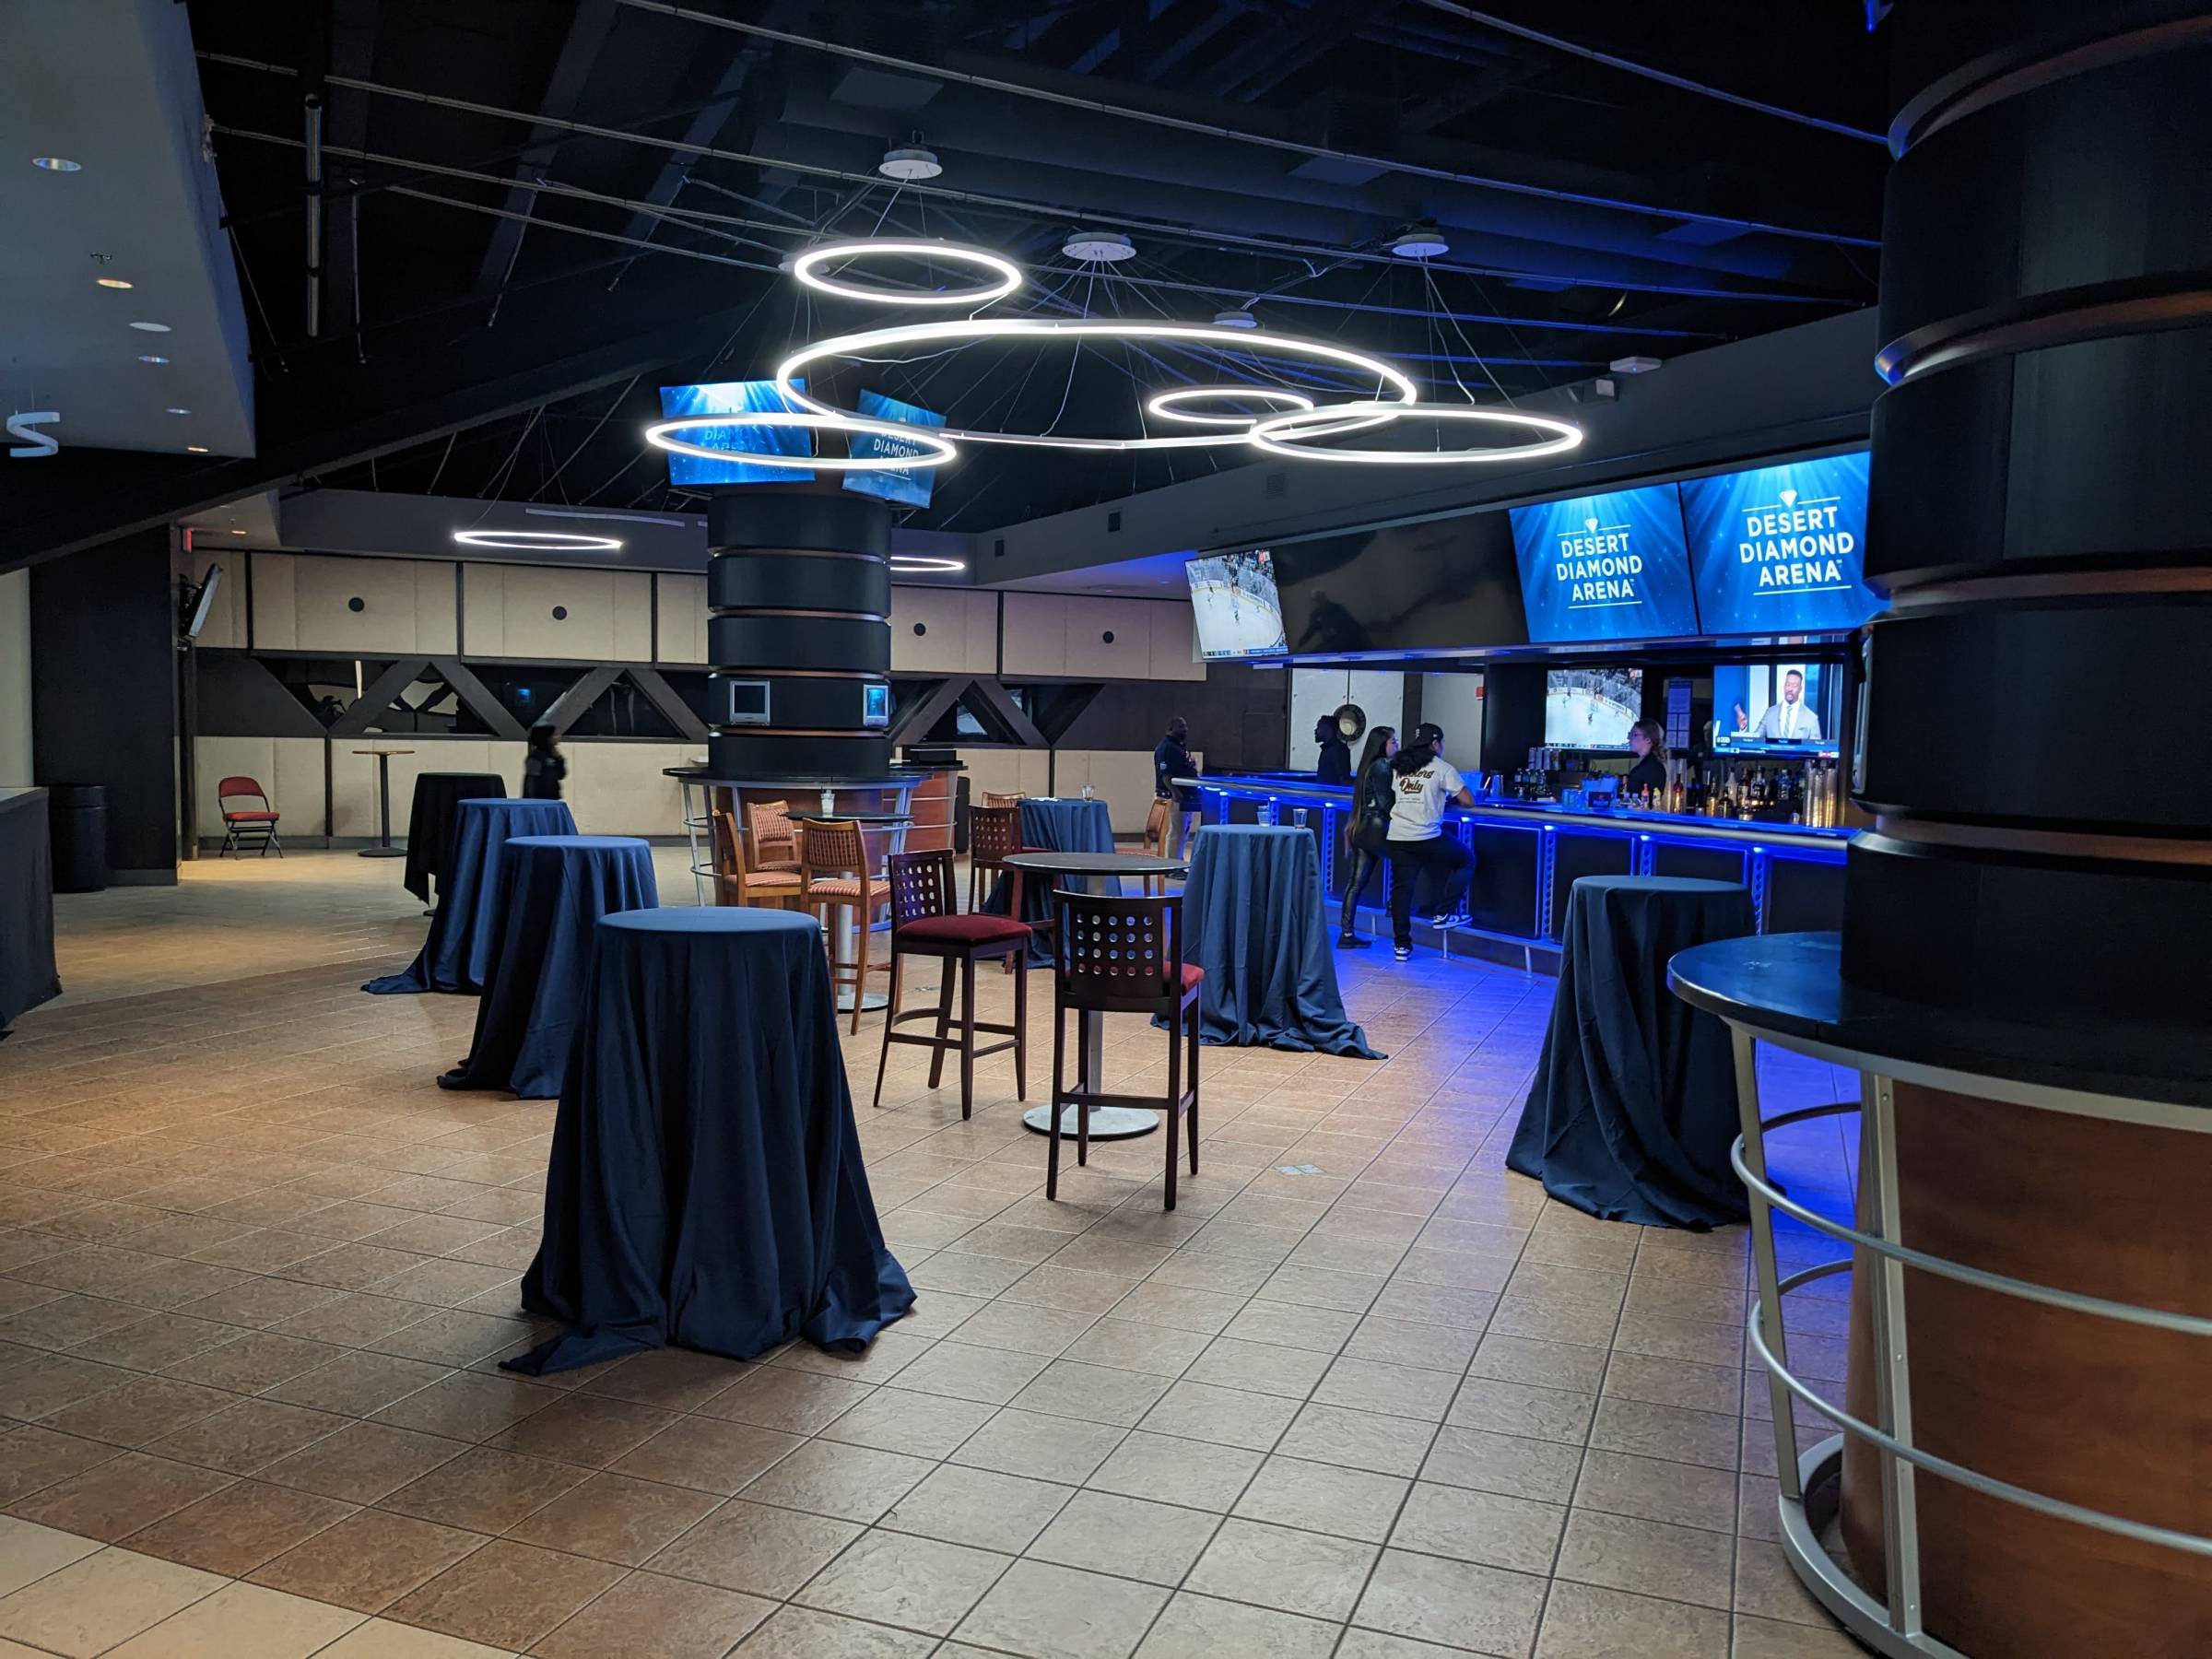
56, 164
196, 448
111, 282
151, 328
909, 163
1107, 247
144, 358
1423, 240
174, 410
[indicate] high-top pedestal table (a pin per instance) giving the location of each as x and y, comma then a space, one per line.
456, 957
1094, 873
552, 890
705, 1185
431, 818
1053, 824
383, 848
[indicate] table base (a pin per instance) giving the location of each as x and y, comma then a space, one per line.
1107, 1122
868, 1003
382, 853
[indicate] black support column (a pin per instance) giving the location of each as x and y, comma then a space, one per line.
798, 633
2038, 718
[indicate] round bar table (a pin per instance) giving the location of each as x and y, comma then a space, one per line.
383, 848
1094, 872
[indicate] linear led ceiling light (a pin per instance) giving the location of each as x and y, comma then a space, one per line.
1169, 406
1242, 343
911, 563
1107, 247
1289, 434
1006, 276
815, 417
536, 541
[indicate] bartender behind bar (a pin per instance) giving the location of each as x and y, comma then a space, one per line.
1788, 721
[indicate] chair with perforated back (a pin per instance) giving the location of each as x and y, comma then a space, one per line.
993, 833
775, 837
833, 877
245, 827
736, 881
926, 921
1122, 956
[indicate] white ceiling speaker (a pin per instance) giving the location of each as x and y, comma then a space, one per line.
1423, 240
1235, 319
909, 163
1107, 247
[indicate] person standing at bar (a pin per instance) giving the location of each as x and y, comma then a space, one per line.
1334, 767
1422, 783
1647, 742
1171, 761
542, 768
1369, 829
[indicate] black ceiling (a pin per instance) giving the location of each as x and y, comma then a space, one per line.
1594, 212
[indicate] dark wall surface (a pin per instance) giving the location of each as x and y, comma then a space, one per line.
1240, 717
104, 694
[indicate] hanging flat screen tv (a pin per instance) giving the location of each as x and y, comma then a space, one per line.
1605, 567
1239, 613
1781, 550
735, 397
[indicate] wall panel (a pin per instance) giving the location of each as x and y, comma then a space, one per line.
942, 647
531, 593
1127, 655
1036, 631
1174, 643
276, 608
325, 593
633, 617
618, 788
683, 622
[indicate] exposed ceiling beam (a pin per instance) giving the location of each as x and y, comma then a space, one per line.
588, 28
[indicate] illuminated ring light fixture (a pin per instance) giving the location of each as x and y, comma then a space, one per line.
1167, 406
536, 541
815, 417
1289, 434
1247, 341
915, 562
807, 270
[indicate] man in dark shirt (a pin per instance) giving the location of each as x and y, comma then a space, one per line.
1173, 760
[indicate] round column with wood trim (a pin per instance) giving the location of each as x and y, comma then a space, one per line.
798, 634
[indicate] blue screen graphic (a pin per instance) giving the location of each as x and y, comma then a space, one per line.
1781, 550
1605, 567
908, 486
735, 397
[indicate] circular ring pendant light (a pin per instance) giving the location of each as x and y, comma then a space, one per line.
536, 541
915, 563
817, 419
1169, 406
807, 269
1241, 341
1290, 434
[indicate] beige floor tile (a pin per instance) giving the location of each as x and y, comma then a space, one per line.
1357, 1439
616, 1518
1669, 1432
978, 1508
898, 1579
1581, 1621
1126, 1537
1452, 1603
1179, 1307
898, 1419
710, 1456
100, 1601
484, 1490
649, 1616
243, 1621
1767, 1588
750, 1547
29, 1552
1774, 1639
1199, 1626
1046, 1612
367, 1560
1042, 1447
1649, 1558
1653, 1491
1394, 1389
852, 1483
802, 1633
1229, 1417
1024, 1328
1350, 1504
505, 1594
1488, 1527
1515, 1408
1262, 1367
363, 1461
585, 1428
1131, 1344
1093, 1394
795, 1402
1283, 1568
992, 1376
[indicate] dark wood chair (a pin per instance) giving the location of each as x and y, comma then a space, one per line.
926, 921
1123, 955
993, 833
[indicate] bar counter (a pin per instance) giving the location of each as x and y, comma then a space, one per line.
1527, 857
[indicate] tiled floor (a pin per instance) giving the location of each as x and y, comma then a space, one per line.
256, 1274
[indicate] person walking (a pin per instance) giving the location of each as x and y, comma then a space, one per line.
542, 768
1422, 783
1369, 828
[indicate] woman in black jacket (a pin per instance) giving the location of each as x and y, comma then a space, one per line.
1371, 820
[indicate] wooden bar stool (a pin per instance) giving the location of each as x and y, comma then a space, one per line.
926, 921
833, 879
1158, 826
1122, 956
775, 837
736, 881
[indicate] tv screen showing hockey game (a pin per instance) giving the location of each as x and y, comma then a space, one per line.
1239, 612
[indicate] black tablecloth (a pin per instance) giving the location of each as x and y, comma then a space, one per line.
457, 955
705, 1187
1254, 918
1633, 1108
431, 823
552, 890
27, 972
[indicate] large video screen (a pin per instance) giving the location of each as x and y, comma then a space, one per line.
1781, 550
907, 486
1605, 567
1441, 585
735, 397
1592, 708
1239, 612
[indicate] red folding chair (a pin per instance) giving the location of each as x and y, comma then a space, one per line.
247, 825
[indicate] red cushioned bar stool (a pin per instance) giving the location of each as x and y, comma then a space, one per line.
926, 922
1122, 956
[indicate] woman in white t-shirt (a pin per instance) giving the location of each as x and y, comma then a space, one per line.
1422, 783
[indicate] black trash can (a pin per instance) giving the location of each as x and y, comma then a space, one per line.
77, 814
